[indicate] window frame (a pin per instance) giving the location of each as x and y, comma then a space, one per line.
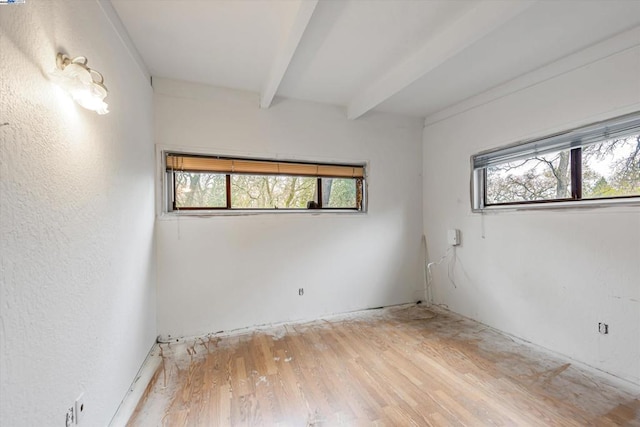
568, 140
169, 185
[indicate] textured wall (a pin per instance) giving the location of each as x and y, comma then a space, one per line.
232, 272
546, 276
77, 297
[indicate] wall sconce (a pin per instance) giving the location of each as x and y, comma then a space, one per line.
86, 86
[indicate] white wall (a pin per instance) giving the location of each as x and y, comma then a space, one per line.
77, 262
223, 273
545, 276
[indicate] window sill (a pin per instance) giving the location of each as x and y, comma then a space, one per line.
256, 212
566, 205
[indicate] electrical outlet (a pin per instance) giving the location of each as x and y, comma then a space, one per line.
603, 328
79, 409
453, 237
301, 291
70, 419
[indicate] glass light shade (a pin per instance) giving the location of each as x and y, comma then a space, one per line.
78, 80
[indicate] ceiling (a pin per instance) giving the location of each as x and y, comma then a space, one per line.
413, 57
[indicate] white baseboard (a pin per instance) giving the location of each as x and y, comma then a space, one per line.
625, 383
138, 386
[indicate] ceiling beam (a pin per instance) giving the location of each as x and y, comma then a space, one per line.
629, 39
484, 18
114, 19
286, 52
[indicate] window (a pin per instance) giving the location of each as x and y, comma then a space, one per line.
599, 162
218, 183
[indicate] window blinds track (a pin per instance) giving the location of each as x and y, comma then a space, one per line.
180, 162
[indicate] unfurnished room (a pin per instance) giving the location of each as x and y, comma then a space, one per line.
319, 213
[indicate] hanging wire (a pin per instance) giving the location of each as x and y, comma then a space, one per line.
451, 267
440, 261
425, 277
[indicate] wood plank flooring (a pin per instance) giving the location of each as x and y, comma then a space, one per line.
400, 366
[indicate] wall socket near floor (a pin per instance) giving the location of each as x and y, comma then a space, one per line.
75, 414
301, 291
603, 328
79, 409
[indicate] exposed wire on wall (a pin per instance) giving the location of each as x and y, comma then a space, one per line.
451, 267
425, 278
450, 250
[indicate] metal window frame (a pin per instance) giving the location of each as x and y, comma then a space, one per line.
171, 208
478, 179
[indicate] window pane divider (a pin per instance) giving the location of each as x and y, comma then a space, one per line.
576, 173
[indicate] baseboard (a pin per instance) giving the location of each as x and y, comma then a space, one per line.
154, 360
614, 379
137, 388
168, 338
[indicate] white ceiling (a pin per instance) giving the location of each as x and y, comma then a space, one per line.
412, 57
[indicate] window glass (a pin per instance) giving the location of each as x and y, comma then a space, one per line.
611, 168
543, 177
197, 190
339, 193
272, 191
207, 182
596, 162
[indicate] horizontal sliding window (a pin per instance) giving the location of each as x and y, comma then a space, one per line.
544, 177
597, 162
612, 168
340, 192
209, 183
199, 189
271, 191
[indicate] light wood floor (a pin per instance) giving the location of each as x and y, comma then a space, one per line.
399, 366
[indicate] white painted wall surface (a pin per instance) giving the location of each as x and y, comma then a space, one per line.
223, 273
77, 267
546, 276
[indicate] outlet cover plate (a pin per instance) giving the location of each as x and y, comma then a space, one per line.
453, 237
80, 409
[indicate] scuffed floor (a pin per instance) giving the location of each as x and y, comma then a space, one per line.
399, 366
